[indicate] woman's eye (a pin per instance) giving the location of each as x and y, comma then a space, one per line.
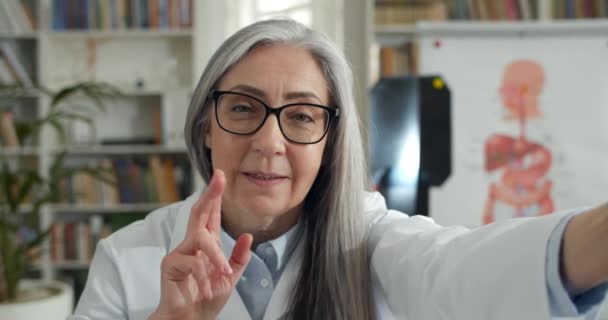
241, 108
300, 117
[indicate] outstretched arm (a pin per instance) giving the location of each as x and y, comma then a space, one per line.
584, 255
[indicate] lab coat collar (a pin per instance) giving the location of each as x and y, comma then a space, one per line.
235, 308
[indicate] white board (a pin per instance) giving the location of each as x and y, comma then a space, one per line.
572, 96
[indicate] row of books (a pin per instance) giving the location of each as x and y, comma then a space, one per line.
152, 179
410, 12
121, 14
400, 60
513, 10
18, 16
578, 9
12, 70
402, 12
75, 241
8, 132
389, 61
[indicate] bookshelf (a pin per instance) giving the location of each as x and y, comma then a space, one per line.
395, 27
151, 62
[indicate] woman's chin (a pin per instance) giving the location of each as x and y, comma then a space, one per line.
262, 211
263, 208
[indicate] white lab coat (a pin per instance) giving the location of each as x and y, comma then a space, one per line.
420, 270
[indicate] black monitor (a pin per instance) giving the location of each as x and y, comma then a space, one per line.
410, 139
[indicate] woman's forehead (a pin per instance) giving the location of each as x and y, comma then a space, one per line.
278, 68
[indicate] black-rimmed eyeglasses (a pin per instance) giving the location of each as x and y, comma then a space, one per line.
242, 114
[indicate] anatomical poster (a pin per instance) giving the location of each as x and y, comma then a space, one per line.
530, 123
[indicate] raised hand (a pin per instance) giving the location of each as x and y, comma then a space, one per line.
196, 278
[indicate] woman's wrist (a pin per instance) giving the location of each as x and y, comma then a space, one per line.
160, 315
584, 262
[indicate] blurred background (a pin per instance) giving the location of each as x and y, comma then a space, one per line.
473, 111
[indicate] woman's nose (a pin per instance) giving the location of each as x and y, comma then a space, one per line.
269, 139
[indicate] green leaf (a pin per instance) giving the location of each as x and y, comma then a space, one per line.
59, 128
12, 227
63, 94
32, 179
72, 116
8, 180
96, 91
102, 174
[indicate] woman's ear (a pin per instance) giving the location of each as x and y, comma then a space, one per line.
206, 129
208, 138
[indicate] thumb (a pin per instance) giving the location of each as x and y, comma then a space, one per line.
241, 254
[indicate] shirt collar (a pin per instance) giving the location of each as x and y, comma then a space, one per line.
285, 243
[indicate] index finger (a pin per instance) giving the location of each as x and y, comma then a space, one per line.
210, 201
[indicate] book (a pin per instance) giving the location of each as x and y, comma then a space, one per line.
8, 133
157, 172
397, 60
83, 245
57, 231
409, 13
170, 181
109, 189
20, 16
69, 241
122, 172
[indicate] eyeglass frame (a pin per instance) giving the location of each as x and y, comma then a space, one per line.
216, 94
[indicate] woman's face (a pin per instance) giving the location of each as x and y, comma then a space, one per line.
268, 176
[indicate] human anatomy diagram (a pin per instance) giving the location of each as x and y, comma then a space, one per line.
521, 164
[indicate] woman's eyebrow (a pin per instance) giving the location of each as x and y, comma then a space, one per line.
261, 94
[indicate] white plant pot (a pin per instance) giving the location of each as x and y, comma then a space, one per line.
40, 300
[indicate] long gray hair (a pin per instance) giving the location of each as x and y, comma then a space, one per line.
334, 281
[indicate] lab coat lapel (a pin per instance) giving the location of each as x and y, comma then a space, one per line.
277, 307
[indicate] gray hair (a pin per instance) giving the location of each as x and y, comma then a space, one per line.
334, 281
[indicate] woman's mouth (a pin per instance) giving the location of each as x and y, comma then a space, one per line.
264, 179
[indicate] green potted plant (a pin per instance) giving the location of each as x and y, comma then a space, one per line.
25, 191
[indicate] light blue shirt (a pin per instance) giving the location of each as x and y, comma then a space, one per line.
269, 259
264, 269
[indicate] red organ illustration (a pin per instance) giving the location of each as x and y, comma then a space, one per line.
523, 188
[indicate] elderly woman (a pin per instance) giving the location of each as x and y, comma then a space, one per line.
285, 228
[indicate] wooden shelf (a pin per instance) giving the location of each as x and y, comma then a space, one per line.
63, 265
19, 151
394, 35
106, 209
580, 27
18, 93
70, 265
121, 150
19, 36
